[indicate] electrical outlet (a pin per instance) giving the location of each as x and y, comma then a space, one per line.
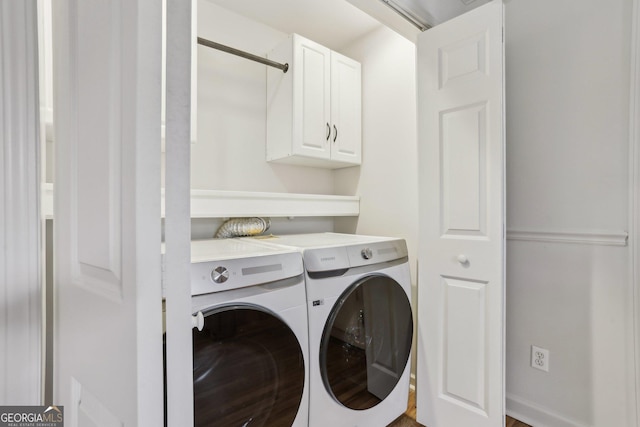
540, 358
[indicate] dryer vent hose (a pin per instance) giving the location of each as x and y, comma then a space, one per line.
236, 227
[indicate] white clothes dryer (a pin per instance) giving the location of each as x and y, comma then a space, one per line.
250, 360
360, 327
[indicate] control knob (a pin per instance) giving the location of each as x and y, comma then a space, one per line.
367, 253
219, 274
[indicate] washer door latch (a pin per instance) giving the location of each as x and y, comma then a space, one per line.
318, 302
197, 321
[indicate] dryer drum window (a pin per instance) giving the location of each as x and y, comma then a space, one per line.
248, 369
366, 342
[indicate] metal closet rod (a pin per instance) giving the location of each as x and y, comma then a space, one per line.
407, 15
243, 54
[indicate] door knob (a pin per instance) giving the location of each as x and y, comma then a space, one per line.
462, 259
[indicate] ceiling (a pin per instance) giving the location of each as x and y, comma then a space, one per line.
336, 23
333, 23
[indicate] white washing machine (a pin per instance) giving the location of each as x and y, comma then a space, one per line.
360, 327
250, 360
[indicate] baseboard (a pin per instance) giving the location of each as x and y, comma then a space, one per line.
533, 414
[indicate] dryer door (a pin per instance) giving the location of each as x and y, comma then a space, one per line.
366, 342
248, 369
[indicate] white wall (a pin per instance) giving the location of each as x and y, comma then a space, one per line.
230, 149
567, 67
387, 181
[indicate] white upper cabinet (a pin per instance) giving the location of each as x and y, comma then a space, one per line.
314, 109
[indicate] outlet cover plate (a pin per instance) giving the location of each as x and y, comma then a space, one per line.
540, 358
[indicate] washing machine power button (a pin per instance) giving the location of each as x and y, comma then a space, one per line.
366, 253
219, 274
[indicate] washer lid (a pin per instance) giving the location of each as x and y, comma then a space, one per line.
319, 240
333, 251
226, 249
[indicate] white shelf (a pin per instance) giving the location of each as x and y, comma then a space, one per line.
226, 204
222, 204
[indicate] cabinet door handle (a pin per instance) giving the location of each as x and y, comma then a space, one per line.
328, 131
335, 133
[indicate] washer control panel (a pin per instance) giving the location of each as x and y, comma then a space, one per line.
219, 274
235, 273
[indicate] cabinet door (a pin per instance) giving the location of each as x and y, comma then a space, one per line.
312, 80
346, 109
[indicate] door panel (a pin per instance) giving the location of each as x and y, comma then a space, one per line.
108, 336
461, 254
464, 342
462, 59
346, 109
313, 80
463, 166
95, 253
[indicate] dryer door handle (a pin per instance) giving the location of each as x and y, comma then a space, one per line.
197, 321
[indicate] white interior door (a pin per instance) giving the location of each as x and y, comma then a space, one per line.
108, 325
20, 222
461, 254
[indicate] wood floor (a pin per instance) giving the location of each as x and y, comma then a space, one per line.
408, 419
267, 353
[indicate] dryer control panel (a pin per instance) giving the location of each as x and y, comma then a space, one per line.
224, 264
366, 253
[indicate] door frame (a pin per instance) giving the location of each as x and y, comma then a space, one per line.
634, 199
177, 224
20, 227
